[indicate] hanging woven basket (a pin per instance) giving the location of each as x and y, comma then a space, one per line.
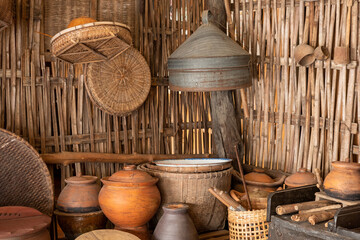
6, 13
91, 42
121, 85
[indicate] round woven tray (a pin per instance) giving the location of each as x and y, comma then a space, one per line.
24, 178
121, 85
91, 42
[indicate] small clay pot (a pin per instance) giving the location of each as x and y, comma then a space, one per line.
175, 224
342, 55
343, 181
75, 224
130, 198
301, 178
304, 55
321, 53
80, 195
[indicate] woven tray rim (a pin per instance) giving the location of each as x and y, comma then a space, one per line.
88, 25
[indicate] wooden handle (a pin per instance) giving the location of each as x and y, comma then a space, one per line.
291, 208
216, 195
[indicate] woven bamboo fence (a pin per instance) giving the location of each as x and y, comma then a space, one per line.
298, 116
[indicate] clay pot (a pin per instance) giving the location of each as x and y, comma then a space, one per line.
130, 198
259, 180
75, 224
23, 223
175, 224
321, 53
304, 55
80, 21
80, 195
343, 181
342, 55
301, 178
258, 198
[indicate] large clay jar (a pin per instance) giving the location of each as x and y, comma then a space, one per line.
301, 178
175, 224
129, 199
80, 195
343, 181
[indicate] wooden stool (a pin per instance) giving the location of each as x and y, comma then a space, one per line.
107, 234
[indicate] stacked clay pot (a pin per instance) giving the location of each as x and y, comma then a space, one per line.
78, 209
302, 178
130, 198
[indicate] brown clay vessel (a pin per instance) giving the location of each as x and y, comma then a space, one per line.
130, 198
259, 180
301, 178
80, 195
23, 223
75, 224
343, 181
175, 224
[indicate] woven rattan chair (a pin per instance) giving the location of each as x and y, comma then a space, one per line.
24, 177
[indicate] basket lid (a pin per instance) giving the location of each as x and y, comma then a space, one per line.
131, 175
121, 85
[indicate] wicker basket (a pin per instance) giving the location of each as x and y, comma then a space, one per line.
205, 210
6, 13
24, 177
121, 85
248, 225
91, 42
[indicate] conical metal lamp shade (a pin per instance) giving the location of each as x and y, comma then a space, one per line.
209, 61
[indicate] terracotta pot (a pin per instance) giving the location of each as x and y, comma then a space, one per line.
301, 178
80, 21
130, 198
23, 223
259, 180
80, 195
175, 224
343, 181
303, 55
75, 224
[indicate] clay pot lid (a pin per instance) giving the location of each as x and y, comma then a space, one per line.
130, 175
16, 221
86, 179
258, 175
346, 165
301, 178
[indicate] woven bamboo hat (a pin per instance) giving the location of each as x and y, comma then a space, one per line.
91, 42
121, 85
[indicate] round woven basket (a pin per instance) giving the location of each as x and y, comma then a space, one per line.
6, 13
91, 42
207, 213
248, 225
24, 178
121, 85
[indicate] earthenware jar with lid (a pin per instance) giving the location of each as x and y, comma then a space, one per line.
80, 195
129, 199
301, 178
259, 180
343, 181
175, 224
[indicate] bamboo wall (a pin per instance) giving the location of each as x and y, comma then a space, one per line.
312, 114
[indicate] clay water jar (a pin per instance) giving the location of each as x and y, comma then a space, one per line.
175, 224
301, 178
343, 181
129, 199
80, 195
